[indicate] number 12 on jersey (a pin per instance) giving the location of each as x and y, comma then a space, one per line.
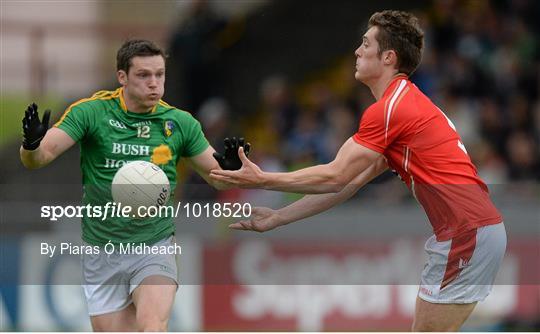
143, 131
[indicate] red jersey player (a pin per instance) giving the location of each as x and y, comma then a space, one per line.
405, 131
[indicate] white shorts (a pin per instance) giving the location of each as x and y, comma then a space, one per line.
462, 270
109, 280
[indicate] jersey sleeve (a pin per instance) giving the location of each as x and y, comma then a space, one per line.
379, 128
75, 122
195, 141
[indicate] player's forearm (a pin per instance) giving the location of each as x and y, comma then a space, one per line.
219, 185
35, 159
319, 179
311, 205
350, 161
54, 143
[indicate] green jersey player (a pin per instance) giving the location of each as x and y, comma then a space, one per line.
127, 292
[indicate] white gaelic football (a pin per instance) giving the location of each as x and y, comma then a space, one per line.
140, 183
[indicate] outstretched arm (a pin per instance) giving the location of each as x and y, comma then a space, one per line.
40, 145
265, 219
351, 160
54, 143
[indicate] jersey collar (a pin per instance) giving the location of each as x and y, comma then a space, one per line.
122, 101
392, 83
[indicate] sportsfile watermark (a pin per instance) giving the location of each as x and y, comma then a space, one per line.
113, 210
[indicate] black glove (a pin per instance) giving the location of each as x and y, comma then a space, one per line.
33, 129
230, 159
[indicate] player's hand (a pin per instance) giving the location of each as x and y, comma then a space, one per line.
261, 220
33, 129
249, 176
230, 160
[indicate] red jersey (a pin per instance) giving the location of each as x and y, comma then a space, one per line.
421, 144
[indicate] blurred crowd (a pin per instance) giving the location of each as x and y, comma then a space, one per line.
481, 66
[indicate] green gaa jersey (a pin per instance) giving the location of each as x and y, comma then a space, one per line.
109, 136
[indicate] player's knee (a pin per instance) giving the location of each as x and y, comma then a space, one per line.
151, 323
429, 326
422, 327
152, 326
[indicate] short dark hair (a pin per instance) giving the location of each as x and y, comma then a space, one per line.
136, 48
401, 32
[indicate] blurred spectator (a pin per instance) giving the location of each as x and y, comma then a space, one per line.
462, 112
305, 145
445, 31
214, 116
520, 113
340, 126
491, 167
321, 100
492, 124
523, 157
427, 77
279, 104
536, 120
194, 56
